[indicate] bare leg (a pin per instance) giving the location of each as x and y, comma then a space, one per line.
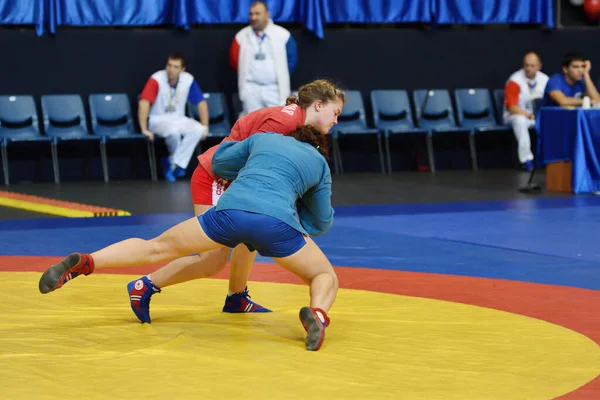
185, 238
207, 264
240, 266
191, 267
311, 265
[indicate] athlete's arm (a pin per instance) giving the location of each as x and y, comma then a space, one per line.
230, 158
314, 208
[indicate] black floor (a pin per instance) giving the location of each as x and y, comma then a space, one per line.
145, 197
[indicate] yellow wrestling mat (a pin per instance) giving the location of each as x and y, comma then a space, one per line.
83, 342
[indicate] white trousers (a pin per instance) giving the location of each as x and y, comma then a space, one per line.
182, 135
521, 125
259, 96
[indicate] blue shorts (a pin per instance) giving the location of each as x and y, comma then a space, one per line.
267, 235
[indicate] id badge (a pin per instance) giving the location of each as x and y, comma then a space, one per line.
259, 56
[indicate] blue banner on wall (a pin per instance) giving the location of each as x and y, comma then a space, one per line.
494, 12
48, 15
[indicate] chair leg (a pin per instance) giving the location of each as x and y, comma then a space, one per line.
430, 153
387, 153
151, 159
340, 166
336, 166
55, 166
104, 160
5, 164
340, 159
473, 151
379, 148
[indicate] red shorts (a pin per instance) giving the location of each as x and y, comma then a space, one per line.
206, 190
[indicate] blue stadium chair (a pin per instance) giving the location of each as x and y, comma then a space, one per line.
352, 121
19, 123
499, 103
475, 111
64, 120
437, 116
392, 115
218, 112
112, 120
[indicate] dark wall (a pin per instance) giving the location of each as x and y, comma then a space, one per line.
84, 61
100, 60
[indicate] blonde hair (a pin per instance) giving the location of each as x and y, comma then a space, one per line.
320, 89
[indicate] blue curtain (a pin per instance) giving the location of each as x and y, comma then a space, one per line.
24, 12
494, 12
378, 12
47, 15
180, 13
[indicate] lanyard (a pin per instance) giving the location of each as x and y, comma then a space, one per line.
173, 94
262, 38
531, 89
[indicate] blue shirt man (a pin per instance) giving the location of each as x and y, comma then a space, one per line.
559, 82
568, 88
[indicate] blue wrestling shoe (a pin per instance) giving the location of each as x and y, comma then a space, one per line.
314, 321
168, 169
140, 292
241, 303
527, 166
179, 172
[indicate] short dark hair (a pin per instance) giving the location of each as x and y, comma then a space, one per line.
255, 3
571, 57
175, 55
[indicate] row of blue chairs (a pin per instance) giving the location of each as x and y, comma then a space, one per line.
64, 119
431, 113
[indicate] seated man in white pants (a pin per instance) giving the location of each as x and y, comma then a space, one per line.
521, 89
161, 112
